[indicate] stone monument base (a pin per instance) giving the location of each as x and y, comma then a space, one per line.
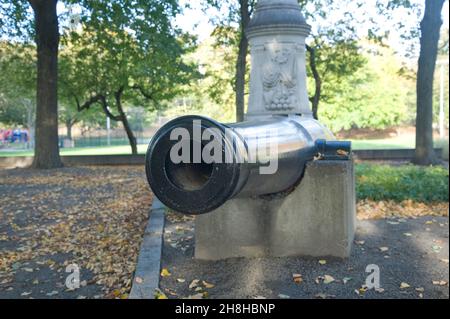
317, 219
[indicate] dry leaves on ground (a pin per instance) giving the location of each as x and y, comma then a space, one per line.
98, 217
408, 209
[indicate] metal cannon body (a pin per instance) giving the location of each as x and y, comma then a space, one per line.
194, 164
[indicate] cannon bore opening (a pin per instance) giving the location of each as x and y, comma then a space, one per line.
189, 176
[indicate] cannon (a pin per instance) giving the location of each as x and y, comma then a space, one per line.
279, 183
195, 165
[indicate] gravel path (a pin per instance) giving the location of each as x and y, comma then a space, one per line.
412, 255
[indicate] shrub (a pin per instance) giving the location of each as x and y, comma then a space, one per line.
382, 182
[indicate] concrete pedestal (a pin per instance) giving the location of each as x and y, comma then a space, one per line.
317, 219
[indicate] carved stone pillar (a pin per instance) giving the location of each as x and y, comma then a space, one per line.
277, 34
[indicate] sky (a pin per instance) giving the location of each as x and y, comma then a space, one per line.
197, 22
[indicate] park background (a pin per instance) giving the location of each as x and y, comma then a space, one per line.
366, 59
132, 65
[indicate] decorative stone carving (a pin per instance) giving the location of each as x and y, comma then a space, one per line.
280, 77
277, 34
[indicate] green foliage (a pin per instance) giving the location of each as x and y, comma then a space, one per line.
145, 63
217, 85
121, 52
376, 96
382, 182
17, 83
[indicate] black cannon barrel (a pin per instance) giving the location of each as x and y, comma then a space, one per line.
195, 164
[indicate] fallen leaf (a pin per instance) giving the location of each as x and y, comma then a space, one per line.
194, 283
342, 152
207, 285
408, 234
361, 291
180, 280
436, 248
384, 249
165, 273
139, 280
24, 294
420, 289
328, 279
439, 283
160, 295
322, 262
404, 285
346, 280
298, 279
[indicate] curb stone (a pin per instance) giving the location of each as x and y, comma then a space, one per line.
147, 274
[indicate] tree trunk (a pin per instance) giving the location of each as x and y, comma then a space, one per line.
315, 100
126, 124
69, 125
241, 65
430, 30
30, 123
47, 39
130, 135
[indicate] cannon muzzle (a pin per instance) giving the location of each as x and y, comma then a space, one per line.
194, 164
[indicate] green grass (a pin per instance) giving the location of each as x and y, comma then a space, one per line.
382, 182
401, 142
375, 182
82, 151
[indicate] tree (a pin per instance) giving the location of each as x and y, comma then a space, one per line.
245, 9
111, 68
212, 94
136, 16
17, 85
430, 34
375, 97
46, 154
238, 18
333, 50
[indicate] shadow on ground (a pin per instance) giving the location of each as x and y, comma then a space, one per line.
412, 255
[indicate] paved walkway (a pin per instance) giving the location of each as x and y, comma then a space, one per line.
412, 255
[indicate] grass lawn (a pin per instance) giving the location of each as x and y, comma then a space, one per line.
401, 142
82, 151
